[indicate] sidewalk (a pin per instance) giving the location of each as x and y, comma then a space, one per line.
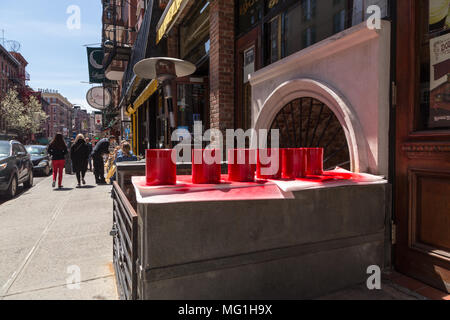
47, 235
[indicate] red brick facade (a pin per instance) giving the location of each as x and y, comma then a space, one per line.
222, 64
172, 43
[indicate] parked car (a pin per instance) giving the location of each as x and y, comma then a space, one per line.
15, 168
42, 164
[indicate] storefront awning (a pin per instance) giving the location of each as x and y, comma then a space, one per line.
169, 17
147, 93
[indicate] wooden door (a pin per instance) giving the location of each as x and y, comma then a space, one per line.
247, 61
422, 179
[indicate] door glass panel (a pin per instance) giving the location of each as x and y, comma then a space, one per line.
248, 68
434, 100
191, 105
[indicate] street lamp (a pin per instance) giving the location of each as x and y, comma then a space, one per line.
109, 44
165, 70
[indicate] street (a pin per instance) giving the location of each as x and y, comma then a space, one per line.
55, 244
21, 190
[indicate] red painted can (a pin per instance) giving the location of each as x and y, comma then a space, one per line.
203, 170
160, 169
241, 165
269, 164
314, 161
294, 163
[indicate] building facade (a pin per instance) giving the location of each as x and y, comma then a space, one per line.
60, 113
13, 75
81, 122
329, 74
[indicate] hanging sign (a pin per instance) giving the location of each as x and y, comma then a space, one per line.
95, 62
99, 98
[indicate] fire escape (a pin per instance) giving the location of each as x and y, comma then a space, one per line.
117, 38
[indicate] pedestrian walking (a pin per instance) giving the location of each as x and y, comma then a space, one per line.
90, 147
79, 154
58, 150
101, 148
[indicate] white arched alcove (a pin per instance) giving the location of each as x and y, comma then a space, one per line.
300, 88
350, 73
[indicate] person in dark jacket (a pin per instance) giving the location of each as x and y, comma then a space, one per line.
101, 148
58, 150
79, 154
89, 145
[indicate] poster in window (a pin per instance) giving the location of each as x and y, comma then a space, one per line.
440, 82
249, 63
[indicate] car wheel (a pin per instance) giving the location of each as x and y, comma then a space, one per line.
28, 184
12, 189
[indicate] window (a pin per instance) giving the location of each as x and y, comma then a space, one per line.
291, 28
339, 21
274, 39
15, 149
192, 104
309, 9
292, 33
308, 37
434, 86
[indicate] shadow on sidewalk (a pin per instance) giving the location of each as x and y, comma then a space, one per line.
63, 189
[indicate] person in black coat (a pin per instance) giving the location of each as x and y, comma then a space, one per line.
79, 154
101, 148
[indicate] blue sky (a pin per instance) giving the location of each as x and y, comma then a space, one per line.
56, 55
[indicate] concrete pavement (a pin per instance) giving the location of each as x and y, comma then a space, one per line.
49, 238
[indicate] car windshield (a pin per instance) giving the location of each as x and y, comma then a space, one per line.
36, 151
5, 148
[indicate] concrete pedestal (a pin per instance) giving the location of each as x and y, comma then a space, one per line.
320, 241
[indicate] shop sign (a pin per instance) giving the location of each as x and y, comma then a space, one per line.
168, 18
250, 12
98, 119
439, 66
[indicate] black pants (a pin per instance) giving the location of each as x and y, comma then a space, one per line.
99, 168
80, 175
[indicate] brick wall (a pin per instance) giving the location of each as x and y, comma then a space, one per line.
172, 43
222, 64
